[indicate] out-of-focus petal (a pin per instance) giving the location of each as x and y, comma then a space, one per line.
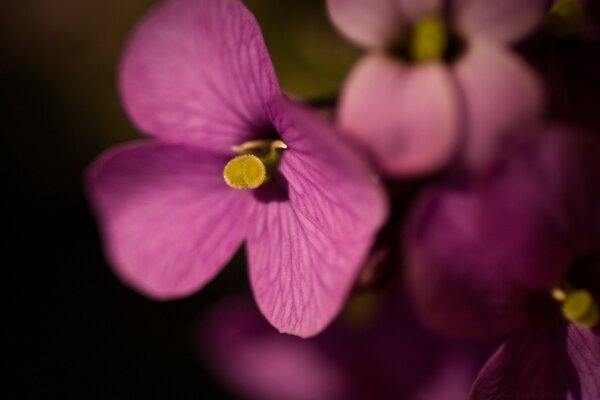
198, 71
498, 21
415, 9
544, 203
328, 180
407, 116
548, 359
456, 267
372, 23
260, 363
300, 274
500, 94
170, 222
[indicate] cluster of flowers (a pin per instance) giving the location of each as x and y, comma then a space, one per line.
502, 240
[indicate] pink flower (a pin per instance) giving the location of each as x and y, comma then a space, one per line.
197, 77
436, 71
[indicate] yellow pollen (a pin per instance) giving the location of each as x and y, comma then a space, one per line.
564, 19
245, 171
429, 39
578, 306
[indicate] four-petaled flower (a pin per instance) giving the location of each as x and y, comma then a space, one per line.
439, 80
519, 254
197, 77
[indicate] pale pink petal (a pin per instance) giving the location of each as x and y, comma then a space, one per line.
407, 116
169, 221
259, 363
327, 180
198, 71
371, 23
501, 94
300, 275
499, 21
415, 9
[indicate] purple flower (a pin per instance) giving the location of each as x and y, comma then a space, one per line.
437, 70
388, 355
518, 254
196, 76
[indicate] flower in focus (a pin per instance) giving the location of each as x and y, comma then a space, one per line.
388, 356
519, 254
231, 161
436, 70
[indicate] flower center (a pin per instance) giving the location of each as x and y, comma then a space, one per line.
428, 39
564, 18
578, 306
255, 164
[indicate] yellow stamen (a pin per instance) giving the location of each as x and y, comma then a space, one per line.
245, 171
256, 163
429, 39
564, 19
580, 308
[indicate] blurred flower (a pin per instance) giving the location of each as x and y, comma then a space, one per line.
519, 253
435, 71
388, 356
197, 77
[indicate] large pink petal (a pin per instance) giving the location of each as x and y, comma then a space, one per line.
500, 93
549, 359
198, 71
372, 23
498, 21
407, 116
169, 221
300, 274
328, 180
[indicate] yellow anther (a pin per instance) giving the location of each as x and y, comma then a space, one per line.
429, 39
564, 19
245, 171
580, 308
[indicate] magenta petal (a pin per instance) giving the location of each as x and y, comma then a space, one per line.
300, 275
372, 23
260, 363
407, 116
499, 21
501, 93
170, 222
198, 71
328, 181
456, 271
549, 359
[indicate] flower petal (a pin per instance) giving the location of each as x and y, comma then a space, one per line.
550, 185
500, 93
498, 21
546, 360
300, 274
198, 71
259, 363
455, 269
170, 222
373, 23
407, 116
328, 180
415, 9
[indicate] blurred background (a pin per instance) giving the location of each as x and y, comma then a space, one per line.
70, 327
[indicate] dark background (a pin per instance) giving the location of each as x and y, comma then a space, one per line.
70, 328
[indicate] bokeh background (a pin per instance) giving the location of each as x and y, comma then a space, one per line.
70, 327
